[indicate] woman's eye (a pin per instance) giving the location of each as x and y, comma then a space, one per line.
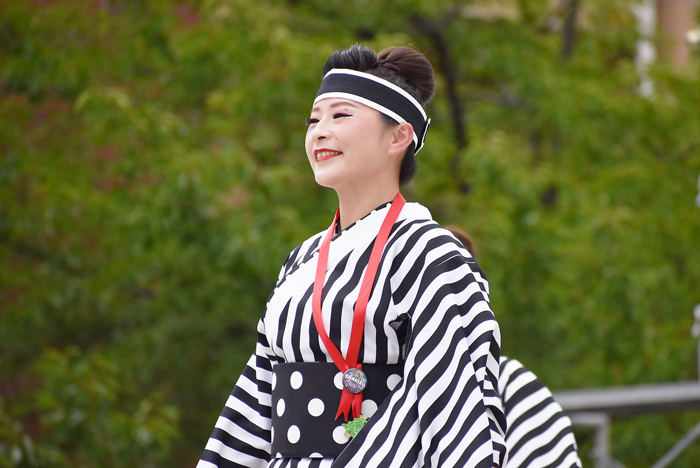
313, 121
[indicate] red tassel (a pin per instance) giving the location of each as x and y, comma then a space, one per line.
350, 401
357, 405
346, 403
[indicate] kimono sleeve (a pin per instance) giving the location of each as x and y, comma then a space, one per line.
446, 412
539, 434
241, 436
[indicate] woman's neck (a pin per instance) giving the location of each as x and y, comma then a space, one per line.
356, 204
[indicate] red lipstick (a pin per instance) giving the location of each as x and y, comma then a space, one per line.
324, 153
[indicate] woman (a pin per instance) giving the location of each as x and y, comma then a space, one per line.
384, 319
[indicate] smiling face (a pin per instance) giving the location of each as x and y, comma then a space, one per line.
349, 145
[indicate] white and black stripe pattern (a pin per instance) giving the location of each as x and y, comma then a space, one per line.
429, 310
539, 434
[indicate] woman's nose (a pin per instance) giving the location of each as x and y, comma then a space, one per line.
321, 130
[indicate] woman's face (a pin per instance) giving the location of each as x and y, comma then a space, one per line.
348, 145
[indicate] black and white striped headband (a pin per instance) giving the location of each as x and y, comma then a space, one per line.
379, 94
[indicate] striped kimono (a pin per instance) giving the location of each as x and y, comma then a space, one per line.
539, 433
429, 312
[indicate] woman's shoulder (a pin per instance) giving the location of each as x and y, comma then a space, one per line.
301, 254
419, 230
425, 245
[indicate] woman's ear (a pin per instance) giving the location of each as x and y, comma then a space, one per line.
402, 137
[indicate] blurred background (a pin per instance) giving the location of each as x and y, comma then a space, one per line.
153, 179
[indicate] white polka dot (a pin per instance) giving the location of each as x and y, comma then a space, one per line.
339, 435
274, 381
338, 380
293, 434
393, 381
280, 407
369, 407
316, 407
296, 380
315, 455
279, 455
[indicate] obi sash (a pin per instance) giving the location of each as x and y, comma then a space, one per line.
305, 399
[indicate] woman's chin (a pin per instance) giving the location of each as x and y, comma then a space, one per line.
325, 180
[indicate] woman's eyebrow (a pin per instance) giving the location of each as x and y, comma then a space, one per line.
342, 103
337, 104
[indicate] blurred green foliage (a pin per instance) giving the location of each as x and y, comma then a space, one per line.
153, 179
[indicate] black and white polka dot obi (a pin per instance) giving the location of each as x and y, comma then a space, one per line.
305, 398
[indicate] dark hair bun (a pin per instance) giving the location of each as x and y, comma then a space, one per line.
413, 67
403, 66
354, 57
